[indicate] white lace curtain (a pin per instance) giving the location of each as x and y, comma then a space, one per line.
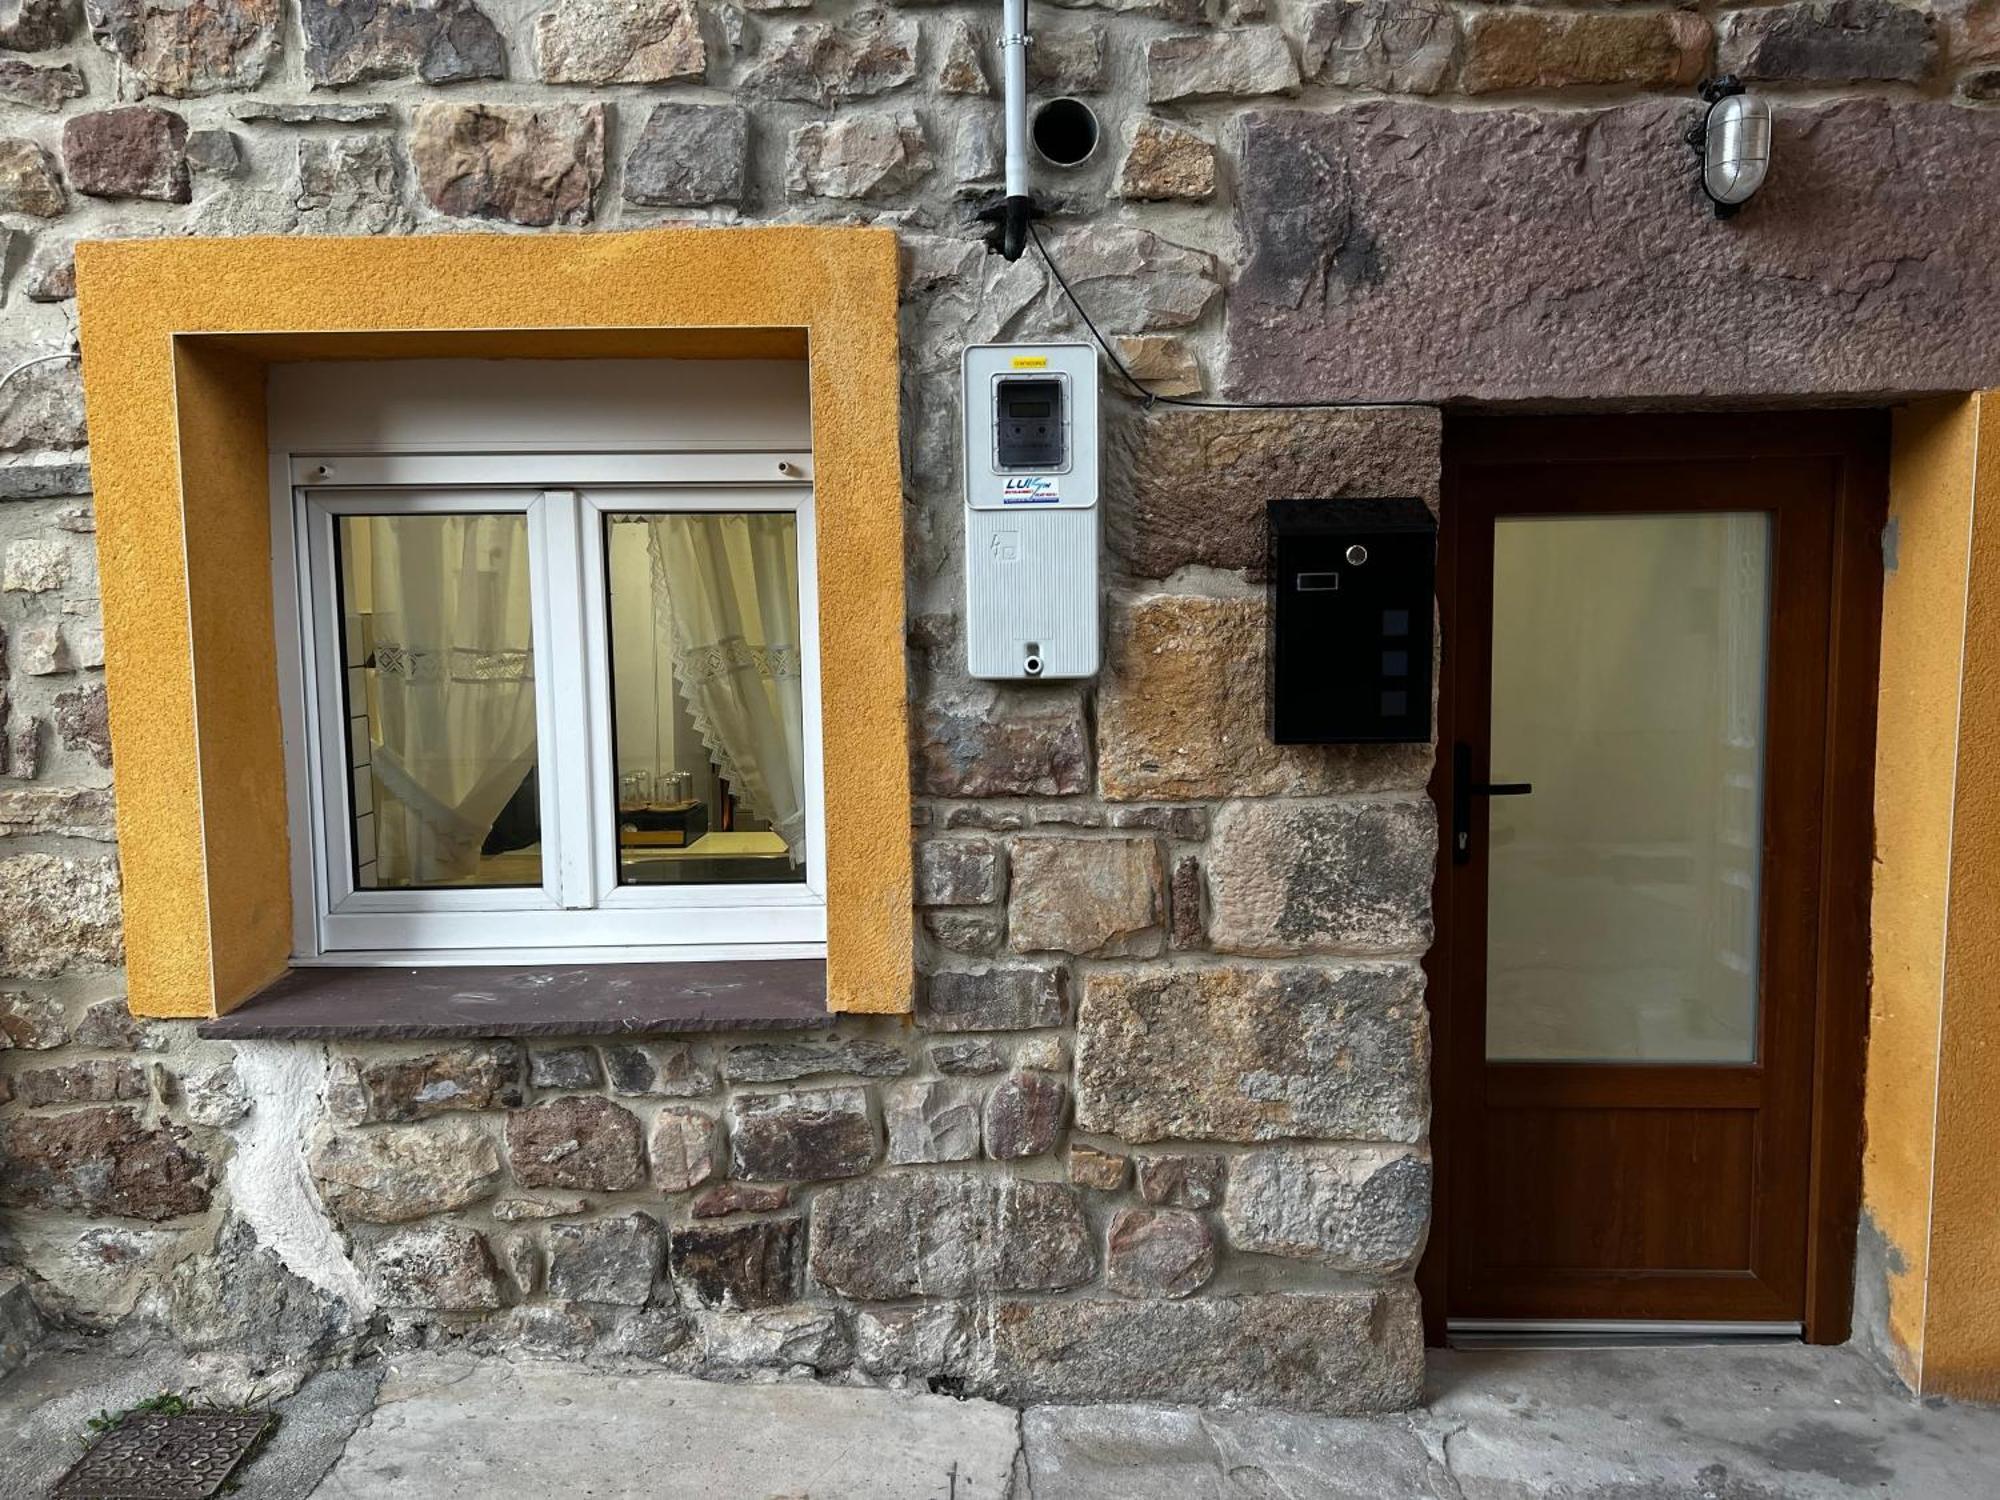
455, 674
726, 604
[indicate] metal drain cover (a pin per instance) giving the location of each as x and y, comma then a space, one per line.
149, 1456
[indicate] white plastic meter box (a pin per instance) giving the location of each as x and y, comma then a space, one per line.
1031, 463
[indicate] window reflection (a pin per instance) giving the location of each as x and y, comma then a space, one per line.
440, 695
706, 697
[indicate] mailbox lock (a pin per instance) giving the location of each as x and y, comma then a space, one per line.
1357, 555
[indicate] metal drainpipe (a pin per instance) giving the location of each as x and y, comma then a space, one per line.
1014, 85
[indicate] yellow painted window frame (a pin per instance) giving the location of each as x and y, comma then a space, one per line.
175, 337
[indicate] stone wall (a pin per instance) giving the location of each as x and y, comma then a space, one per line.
1158, 1129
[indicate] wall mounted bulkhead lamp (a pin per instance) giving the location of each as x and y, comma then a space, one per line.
1733, 140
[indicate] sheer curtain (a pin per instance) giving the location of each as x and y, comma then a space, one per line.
454, 670
726, 602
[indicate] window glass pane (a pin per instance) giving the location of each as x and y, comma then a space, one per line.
1629, 663
439, 683
706, 697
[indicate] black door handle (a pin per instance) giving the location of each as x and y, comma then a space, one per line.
1463, 790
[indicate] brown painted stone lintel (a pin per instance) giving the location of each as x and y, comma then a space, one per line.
577, 1000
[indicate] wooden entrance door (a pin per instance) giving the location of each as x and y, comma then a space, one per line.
1656, 729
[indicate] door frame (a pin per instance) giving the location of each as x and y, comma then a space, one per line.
1857, 441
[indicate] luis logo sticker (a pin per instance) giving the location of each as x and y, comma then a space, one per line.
1029, 489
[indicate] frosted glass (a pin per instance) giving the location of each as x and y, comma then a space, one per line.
1629, 665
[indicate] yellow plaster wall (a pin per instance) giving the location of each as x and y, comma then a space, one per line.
175, 334
1933, 1086
1962, 1321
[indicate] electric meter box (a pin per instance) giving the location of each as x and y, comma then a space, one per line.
1031, 466
1350, 648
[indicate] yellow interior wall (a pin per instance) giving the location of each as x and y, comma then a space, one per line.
1933, 1085
174, 336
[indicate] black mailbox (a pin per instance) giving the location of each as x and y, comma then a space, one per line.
1350, 651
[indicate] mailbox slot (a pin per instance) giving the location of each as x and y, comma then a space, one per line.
1351, 621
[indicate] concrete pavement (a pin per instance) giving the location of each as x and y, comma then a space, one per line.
1771, 1423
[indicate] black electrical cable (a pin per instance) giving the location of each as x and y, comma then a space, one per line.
1154, 398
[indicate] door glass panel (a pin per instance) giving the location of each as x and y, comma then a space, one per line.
706, 697
439, 686
1629, 664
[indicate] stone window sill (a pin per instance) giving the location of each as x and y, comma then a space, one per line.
577, 1000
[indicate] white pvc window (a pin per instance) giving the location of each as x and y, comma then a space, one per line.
545, 721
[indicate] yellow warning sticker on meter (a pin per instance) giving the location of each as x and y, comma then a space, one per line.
1031, 361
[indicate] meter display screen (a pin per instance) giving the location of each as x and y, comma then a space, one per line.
1028, 424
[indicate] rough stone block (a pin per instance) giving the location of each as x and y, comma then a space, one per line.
34, 565
79, 812
1004, 749
971, 1057
91, 1081
1158, 1252
974, 934
1132, 280
564, 1068
102, 1161
33, 1023
689, 156
186, 50
805, 1135
580, 1144
484, 1075
1103, 897
1393, 46
532, 165
59, 915
754, 1263
1181, 1179
687, 1149
827, 63
661, 1069
1331, 1050
949, 1234
403, 1172
780, 1062
1092, 1167
1024, 1116
434, 1268
929, 1122
1355, 1208
1288, 878
1365, 224
133, 151
1539, 49
1240, 64
739, 1198
1181, 712
999, 999
873, 154
621, 41
959, 66
29, 182
613, 1261
764, 1338
1187, 899
1198, 481
1830, 41
82, 722
1164, 162
365, 41
1347, 1352
106, 1023
959, 872
37, 25
1067, 60
1163, 364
